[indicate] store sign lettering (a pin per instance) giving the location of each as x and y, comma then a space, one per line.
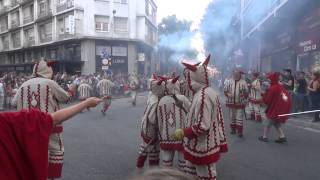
308, 46
118, 61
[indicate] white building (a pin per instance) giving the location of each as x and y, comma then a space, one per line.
86, 35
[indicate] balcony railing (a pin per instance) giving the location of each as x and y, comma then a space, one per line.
64, 6
43, 14
47, 38
28, 19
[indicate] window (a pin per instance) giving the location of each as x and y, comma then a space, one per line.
29, 34
44, 7
45, 32
120, 24
4, 24
5, 42
60, 26
16, 39
28, 14
102, 23
15, 19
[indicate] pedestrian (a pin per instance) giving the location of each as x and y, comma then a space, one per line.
134, 86
300, 92
171, 114
255, 98
44, 94
287, 81
105, 91
1, 95
24, 139
204, 136
314, 93
149, 147
236, 93
278, 102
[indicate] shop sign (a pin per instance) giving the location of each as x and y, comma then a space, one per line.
308, 45
118, 61
141, 57
105, 67
103, 51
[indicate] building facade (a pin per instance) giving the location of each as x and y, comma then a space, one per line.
280, 34
83, 35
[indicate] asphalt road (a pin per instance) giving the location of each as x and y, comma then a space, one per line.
105, 148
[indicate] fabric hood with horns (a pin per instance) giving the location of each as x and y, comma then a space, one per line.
42, 69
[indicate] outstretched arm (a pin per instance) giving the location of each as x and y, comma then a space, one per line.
66, 113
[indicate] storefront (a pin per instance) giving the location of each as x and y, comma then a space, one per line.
112, 57
308, 42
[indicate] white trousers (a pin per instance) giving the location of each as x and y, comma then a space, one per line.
168, 156
202, 172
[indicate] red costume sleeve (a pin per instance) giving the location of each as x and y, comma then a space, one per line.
24, 138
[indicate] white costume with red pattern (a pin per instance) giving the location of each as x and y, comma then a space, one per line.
255, 99
236, 92
149, 147
105, 88
45, 94
205, 138
172, 117
134, 86
84, 90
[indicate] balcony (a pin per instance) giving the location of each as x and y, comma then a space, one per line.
64, 6
28, 19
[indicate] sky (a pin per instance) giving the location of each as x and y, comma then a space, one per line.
191, 10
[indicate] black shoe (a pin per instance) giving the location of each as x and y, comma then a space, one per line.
103, 112
233, 132
263, 139
240, 135
281, 140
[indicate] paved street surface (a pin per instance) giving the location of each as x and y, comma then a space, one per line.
105, 148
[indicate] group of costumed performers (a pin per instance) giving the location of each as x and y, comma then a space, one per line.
192, 129
255, 95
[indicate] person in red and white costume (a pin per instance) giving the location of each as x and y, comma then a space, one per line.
171, 114
184, 87
204, 135
236, 92
134, 86
24, 139
84, 90
255, 98
149, 147
42, 93
105, 91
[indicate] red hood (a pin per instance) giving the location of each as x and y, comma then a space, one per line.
274, 78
